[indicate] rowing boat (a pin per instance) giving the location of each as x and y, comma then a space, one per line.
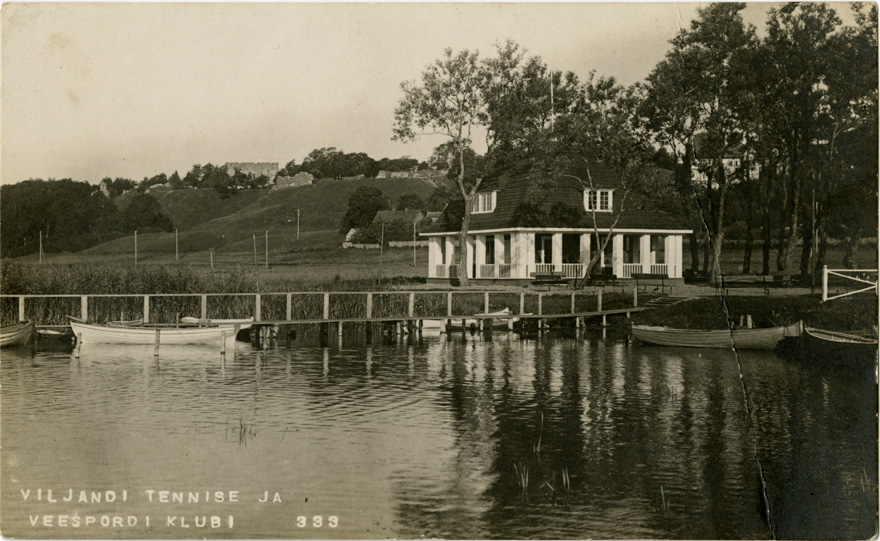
105, 334
16, 334
839, 346
242, 323
739, 338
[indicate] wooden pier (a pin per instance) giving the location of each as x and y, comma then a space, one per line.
324, 307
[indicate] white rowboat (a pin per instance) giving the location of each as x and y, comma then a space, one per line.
16, 334
103, 334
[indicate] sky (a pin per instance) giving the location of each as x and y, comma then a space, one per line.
89, 91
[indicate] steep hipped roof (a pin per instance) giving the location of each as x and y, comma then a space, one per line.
530, 197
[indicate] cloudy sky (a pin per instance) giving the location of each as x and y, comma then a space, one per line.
132, 90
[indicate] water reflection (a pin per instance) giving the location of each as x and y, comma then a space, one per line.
557, 438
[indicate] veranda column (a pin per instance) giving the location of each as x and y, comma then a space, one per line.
669, 255
645, 253
500, 256
617, 255
480, 255
433, 256
451, 256
528, 255
679, 268
585, 251
557, 252
469, 253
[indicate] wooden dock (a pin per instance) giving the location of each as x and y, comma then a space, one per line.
322, 307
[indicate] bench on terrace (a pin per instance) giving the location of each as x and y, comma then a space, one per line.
548, 279
647, 279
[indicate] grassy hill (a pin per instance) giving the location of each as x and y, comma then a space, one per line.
228, 225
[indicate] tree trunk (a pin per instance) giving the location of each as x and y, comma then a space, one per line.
463, 245
806, 247
795, 214
851, 256
749, 240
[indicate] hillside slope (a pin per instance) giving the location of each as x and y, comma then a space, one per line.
205, 221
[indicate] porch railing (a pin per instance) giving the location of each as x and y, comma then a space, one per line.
494, 271
544, 267
572, 270
660, 268
446, 271
631, 268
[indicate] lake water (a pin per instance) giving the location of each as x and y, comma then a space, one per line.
550, 438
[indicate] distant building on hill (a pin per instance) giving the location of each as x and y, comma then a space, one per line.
255, 169
299, 179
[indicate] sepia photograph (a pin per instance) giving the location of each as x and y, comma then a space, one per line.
439, 270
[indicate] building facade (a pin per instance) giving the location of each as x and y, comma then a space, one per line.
522, 225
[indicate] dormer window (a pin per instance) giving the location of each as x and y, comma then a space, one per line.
483, 202
598, 200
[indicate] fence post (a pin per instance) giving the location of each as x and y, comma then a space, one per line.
21, 308
288, 311
449, 303
486, 303
522, 302
572, 302
204, 307
636, 297
258, 303
540, 304
146, 308
599, 302
326, 306
824, 283
84, 307
412, 303
369, 306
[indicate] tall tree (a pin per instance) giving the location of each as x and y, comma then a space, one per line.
793, 66
450, 101
604, 129
697, 91
460, 96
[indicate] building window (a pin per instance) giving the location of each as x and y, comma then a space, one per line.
483, 202
598, 200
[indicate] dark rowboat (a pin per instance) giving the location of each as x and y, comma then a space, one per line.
839, 346
739, 338
16, 334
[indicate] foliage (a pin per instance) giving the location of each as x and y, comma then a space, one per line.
363, 205
397, 230
410, 201
71, 215
144, 214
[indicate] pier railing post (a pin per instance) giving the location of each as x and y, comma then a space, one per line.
522, 303
326, 306
412, 304
21, 308
258, 303
146, 308
449, 303
369, 306
540, 304
572, 302
204, 307
486, 303
84, 307
288, 311
599, 301
824, 283
636, 297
